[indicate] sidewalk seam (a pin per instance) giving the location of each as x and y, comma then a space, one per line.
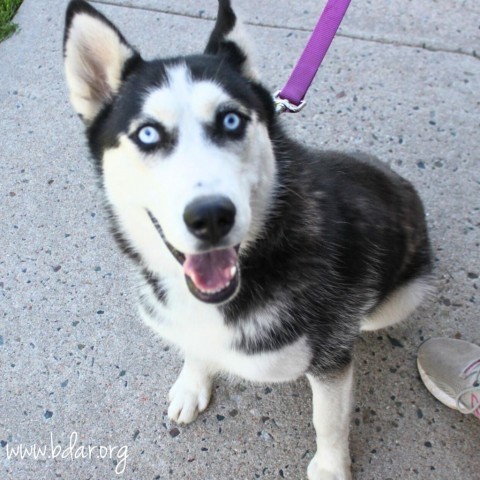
353, 36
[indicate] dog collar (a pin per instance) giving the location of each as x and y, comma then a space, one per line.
291, 97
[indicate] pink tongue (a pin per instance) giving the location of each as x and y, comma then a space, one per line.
212, 271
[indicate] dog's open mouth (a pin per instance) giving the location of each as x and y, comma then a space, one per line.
213, 276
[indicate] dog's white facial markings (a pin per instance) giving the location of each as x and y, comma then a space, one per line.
196, 167
166, 182
128, 186
94, 59
182, 101
126, 175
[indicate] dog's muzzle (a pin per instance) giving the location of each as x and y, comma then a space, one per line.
213, 276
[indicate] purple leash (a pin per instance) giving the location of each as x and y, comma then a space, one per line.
290, 98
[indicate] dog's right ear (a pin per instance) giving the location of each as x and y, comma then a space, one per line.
97, 58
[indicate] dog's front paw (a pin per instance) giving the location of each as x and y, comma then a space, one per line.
188, 397
328, 467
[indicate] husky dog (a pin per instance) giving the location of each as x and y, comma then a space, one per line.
258, 257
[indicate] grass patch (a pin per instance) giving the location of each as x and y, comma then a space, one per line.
8, 8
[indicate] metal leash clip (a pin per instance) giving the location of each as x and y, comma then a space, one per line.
283, 105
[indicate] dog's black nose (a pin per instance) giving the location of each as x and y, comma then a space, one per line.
210, 218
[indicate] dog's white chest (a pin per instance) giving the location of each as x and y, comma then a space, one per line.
201, 333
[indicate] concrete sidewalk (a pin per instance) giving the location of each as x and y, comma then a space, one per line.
402, 80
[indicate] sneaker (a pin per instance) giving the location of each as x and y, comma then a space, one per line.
450, 370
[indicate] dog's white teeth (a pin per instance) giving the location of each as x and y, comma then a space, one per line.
229, 272
213, 292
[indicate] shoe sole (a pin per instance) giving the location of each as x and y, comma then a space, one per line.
439, 394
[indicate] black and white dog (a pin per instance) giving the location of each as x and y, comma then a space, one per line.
258, 257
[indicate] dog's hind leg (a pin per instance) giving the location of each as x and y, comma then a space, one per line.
399, 305
332, 399
191, 393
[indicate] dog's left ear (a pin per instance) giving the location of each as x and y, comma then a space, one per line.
229, 40
97, 59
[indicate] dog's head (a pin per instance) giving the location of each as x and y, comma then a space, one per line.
182, 145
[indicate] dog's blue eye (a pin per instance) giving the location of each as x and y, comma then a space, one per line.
231, 122
148, 135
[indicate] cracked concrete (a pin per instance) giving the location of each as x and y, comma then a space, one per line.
75, 358
428, 24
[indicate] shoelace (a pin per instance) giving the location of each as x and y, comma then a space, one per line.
471, 396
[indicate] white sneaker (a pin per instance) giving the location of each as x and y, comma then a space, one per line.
450, 370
